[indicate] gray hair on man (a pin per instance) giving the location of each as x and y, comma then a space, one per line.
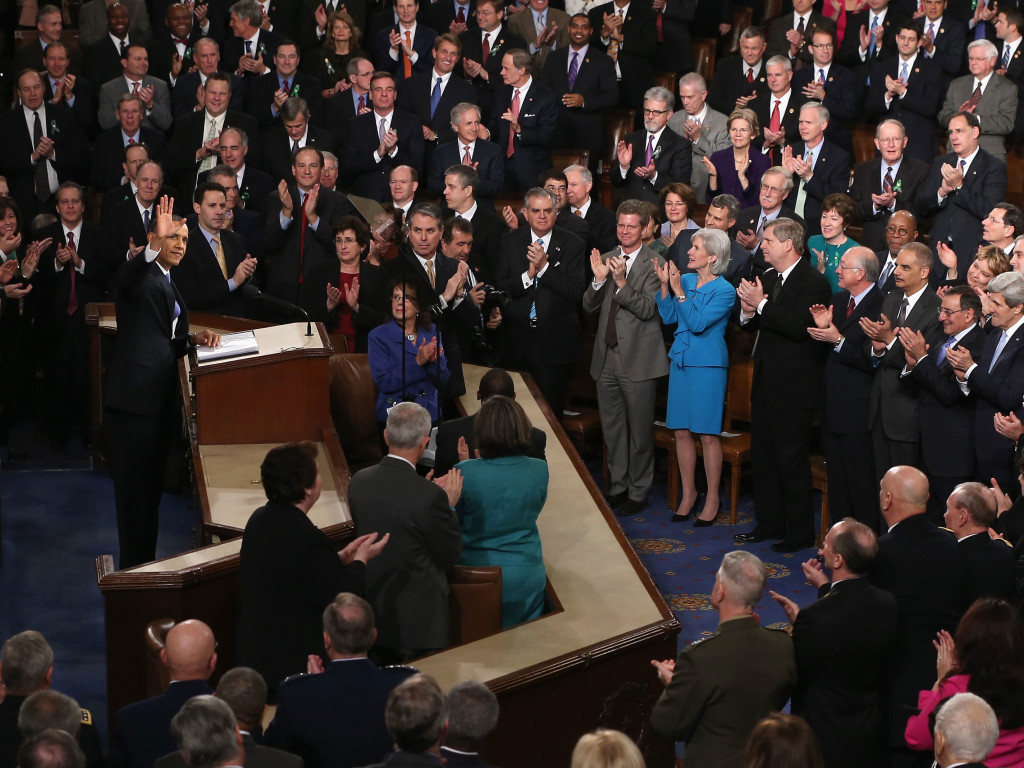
694, 79
1010, 285
986, 46
206, 732
462, 108
583, 171
821, 109
781, 61
891, 121
744, 576
407, 425
966, 729
25, 660
539, 192
659, 93
51, 749
49, 709
472, 714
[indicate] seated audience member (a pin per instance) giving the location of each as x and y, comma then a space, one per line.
842, 645
50, 749
416, 717
350, 295
472, 714
289, 570
26, 668
988, 563
718, 689
827, 248
966, 730
207, 733
782, 740
142, 731
605, 748
334, 716
407, 585
986, 658
503, 494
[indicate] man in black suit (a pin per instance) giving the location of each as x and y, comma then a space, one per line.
103, 58
988, 563
583, 79
472, 715
267, 94
523, 121
885, 184
142, 731
215, 269
600, 220
947, 417
921, 566
960, 190
460, 183
281, 142
108, 152
140, 397
628, 34
50, 23
751, 222
786, 387
673, 22
380, 140
77, 93
405, 48
344, 105
849, 375
543, 269
778, 113
966, 730
189, 95
298, 233
495, 382
820, 167
836, 87
448, 16
250, 49
651, 158
43, 148
943, 40
253, 184
171, 51
247, 224
871, 35
406, 582
458, 243
792, 34
900, 229
483, 50
555, 182
134, 155
468, 149
842, 644
740, 79
1010, 63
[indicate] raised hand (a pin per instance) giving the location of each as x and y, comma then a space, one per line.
286, 199
598, 267
624, 153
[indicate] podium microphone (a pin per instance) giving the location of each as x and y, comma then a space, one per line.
260, 296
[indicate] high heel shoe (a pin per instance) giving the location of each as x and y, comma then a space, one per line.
695, 509
699, 522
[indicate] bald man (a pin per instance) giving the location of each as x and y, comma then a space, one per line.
142, 731
919, 563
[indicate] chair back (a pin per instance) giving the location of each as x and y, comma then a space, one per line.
474, 602
158, 676
353, 403
704, 56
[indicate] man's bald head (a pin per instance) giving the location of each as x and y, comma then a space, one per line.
190, 651
903, 494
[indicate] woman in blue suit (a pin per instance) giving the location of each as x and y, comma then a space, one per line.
503, 492
410, 337
699, 306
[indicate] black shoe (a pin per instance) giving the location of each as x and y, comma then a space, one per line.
630, 508
615, 499
787, 546
696, 509
755, 536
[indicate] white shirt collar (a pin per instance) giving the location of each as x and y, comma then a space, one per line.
401, 458
77, 232
545, 241
913, 299
582, 54
984, 81
444, 79
657, 136
1014, 328
117, 41
585, 207
523, 89
969, 159
784, 274
702, 115
469, 214
909, 62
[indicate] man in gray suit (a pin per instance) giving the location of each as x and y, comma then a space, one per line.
986, 94
92, 21
706, 129
156, 98
543, 28
629, 356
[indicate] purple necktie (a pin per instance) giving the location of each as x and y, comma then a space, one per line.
649, 154
574, 68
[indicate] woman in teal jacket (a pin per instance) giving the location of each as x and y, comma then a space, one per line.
699, 306
503, 492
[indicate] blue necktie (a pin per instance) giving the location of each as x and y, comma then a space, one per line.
248, 47
435, 97
536, 285
574, 69
945, 348
1003, 338
177, 309
145, 221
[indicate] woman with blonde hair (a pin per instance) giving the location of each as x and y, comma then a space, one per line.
605, 748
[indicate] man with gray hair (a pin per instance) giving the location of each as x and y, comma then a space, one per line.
472, 714
966, 729
600, 220
988, 563
417, 717
406, 584
49, 709
719, 688
50, 749
207, 733
697, 122
778, 115
651, 158
469, 144
819, 167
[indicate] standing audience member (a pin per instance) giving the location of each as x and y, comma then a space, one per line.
706, 129
51, 749
651, 158
782, 740
988, 563
966, 730
472, 715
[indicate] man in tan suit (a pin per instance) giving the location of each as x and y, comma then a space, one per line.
543, 28
629, 356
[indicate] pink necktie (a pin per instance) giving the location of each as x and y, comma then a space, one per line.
466, 159
515, 117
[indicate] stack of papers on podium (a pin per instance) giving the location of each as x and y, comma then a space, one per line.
231, 345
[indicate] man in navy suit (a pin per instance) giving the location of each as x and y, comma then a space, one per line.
819, 167
739, 79
267, 94
833, 85
142, 731
254, 185
651, 158
108, 153
870, 35
849, 375
961, 188
778, 113
483, 50
405, 48
627, 32
344, 105
187, 95
295, 132
523, 121
472, 715
380, 140
335, 716
601, 222
77, 93
989, 563
943, 40
947, 417
460, 186
250, 48
469, 149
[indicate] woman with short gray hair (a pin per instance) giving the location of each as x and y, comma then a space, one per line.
699, 306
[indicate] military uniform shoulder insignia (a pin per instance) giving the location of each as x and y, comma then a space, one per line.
86, 717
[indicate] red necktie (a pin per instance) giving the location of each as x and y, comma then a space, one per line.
181, 40
362, 104
658, 26
850, 307
750, 74
461, 18
515, 116
304, 222
285, 88
135, 88
466, 159
486, 47
73, 295
131, 140
776, 122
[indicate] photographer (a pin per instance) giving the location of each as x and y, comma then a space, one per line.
457, 243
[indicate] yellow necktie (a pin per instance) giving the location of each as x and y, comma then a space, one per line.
430, 272
219, 250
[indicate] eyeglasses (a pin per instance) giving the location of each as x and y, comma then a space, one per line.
943, 312
652, 112
826, 46
401, 299
843, 268
340, 240
901, 231
767, 188
890, 140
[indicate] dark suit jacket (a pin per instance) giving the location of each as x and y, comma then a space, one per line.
233, 49
490, 165
10, 736
406, 584
367, 177
867, 181
950, 45
636, 52
596, 83
602, 223
142, 731
89, 286
84, 109
538, 119
849, 373
789, 120
778, 45
488, 227
256, 756
988, 568
374, 298
414, 98
749, 219
255, 187
30, 56
277, 149
472, 48
442, 14
729, 83
103, 60
189, 135
199, 278
462, 760
918, 107
183, 95
558, 296
422, 44
339, 110
672, 163
162, 49
449, 432
842, 644
108, 154
260, 97
831, 174
336, 718
843, 96
674, 51
848, 54
958, 217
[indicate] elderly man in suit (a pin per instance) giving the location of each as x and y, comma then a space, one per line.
966, 729
986, 94
820, 168
469, 148
629, 355
344, 105
407, 582
842, 645
739, 79
651, 158
484, 49
544, 28
836, 87
720, 687
751, 222
703, 127
960, 190
786, 387
988, 563
600, 221
334, 716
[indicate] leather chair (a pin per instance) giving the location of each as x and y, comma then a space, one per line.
474, 602
353, 400
158, 676
772, 8
819, 481
563, 158
742, 17
666, 80
618, 123
581, 420
704, 56
863, 143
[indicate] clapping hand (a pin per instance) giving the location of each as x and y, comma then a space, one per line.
599, 268
451, 484
427, 351
960, 359
824, 329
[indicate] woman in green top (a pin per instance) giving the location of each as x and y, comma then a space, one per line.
826, 249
